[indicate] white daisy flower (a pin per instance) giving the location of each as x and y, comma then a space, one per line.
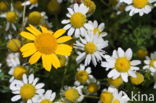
83, 75
27, 89
13, 60
32, 3
11, 17
77, 21
97, 29
150, 63
90, 48
112, 95
72, 94
120, 64
48, 97
139, 6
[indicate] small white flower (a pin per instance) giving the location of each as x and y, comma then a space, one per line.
32, 3
120, 64
139, 6
150, 63
13, 60
83, 75
48, 97
90, 48
97, 29
27, 89
77, 21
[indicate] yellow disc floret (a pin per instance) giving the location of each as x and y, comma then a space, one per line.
18, 6
116, 101
46, 101
19, 71
90, 47
11, 16
3, 6
96, 31
78, 20
46, 43
115, 82
140, 3
33, 1
91, 5
27, 91
122, 64
82, 76
54, 7
92, 88
71, 94
35, 18
137, 80
14, 45
141, 53
106, 97
152, 62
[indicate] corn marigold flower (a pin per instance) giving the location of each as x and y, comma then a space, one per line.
27, 89
121, 65
46, 45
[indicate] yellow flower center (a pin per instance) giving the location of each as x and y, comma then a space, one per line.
96, 30
115, 82
116, 101
90, 47
106, 97
54, 7
152, 62
18, 6
140, 3
122, 7
11, 16
92, 88
27, 91
19, 71
113, 2
137, 80
33, 1
46, 43
141, 53
78, 20
91, 5
46, 101
14, 45
82, 76
35, 17
122, 64
72, 94
3, 6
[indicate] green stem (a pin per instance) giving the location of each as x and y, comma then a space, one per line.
93, 97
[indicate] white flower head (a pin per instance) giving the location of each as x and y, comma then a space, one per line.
13, 60
77, 21
47, 97
121, 65
150, 63
139, 6
72, 94
83, 75
28, 89
97, 29
90, 48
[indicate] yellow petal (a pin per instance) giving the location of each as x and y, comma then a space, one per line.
64, 50
27, 35
46, 62
55, 61
45, 30
33, 30
64, 39
29, 52
34, 58
27, 46
59, 33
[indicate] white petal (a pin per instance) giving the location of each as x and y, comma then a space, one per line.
124, 77
121, 52
135, 62
39, 86
15, 98
31, 78
128, 54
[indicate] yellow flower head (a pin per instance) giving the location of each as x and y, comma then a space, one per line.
71, 94
115, 82
54, 7
33, 1
19, 71
14, 45
141, 53
46, 45
11, 16
3, 6
137, 80
92, 88
106, 97
18, 6
91, 5
35, 18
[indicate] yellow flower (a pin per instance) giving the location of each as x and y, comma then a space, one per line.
14, 45
115, 82
137, 80
46, 45
35, 18
142, 53
54, 7
18, 6
3, 6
